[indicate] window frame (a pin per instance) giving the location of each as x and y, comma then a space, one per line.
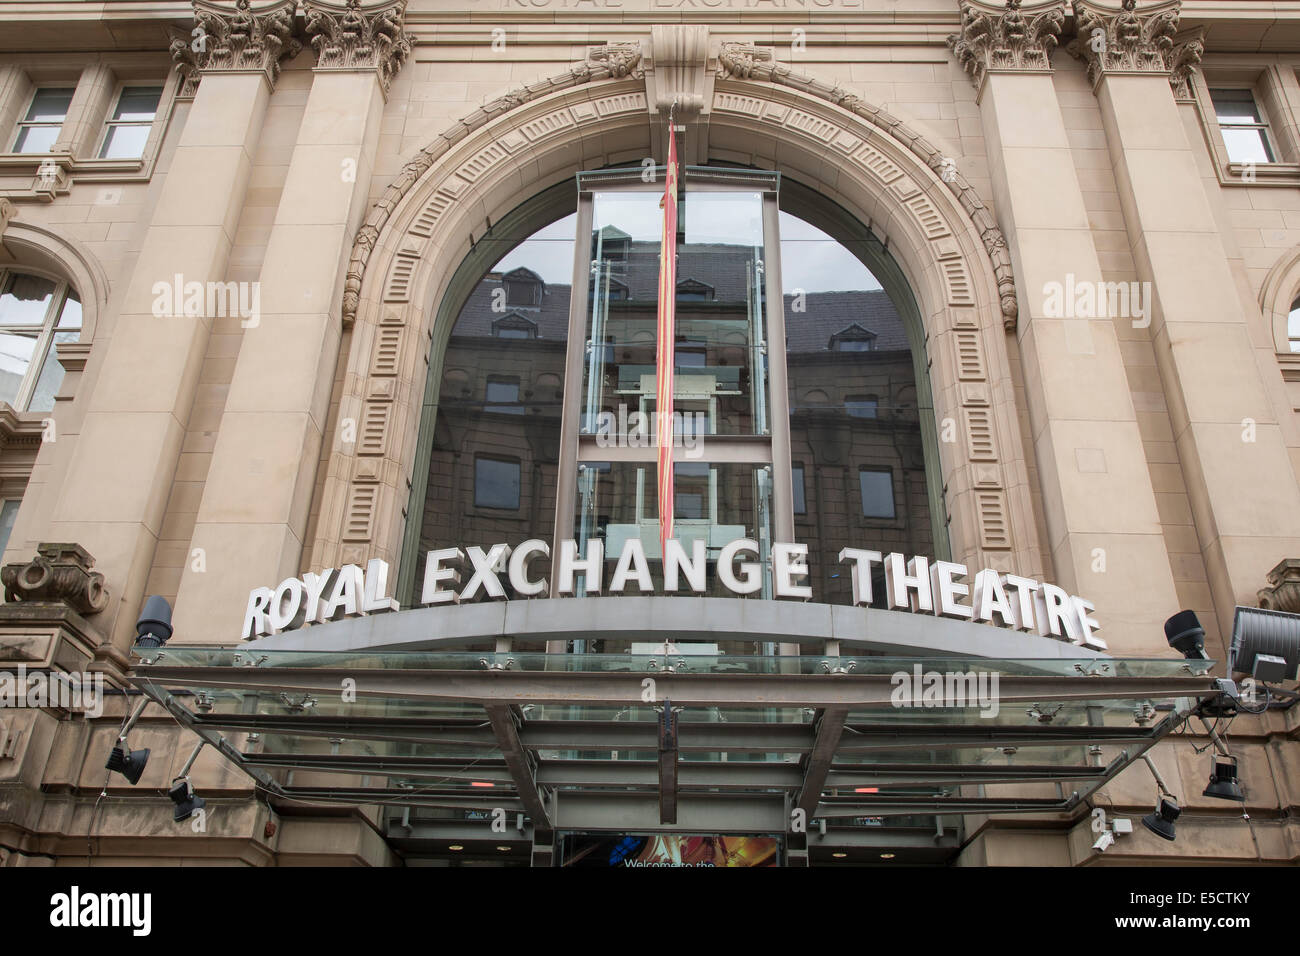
893, 493
109, 124
23, 124
1276, 92
1262, 126
502, 460
44, 349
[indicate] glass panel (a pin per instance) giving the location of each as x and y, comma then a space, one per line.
16, 350
1235, 106
877, 493
25, 299
51, 377
714, 503
70, 316
503, 397
36, 139
854, 415
1293, 326
124, 142
483, 351
49, 106
138, 103
1246, 145
8, 514
719, 342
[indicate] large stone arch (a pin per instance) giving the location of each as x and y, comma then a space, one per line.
943, 237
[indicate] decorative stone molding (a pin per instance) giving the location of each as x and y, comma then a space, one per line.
353, 38
7, 212
1283, 592
1006, 40
621, 60
18, 430
756, 64
238, 40
1124, 40
611, 61
60, 573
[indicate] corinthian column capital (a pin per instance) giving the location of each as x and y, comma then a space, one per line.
235, 39
1125, 39
998, 38
350, 37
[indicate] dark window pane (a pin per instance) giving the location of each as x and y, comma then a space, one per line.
877, 493
138, 103
861, 406
8, 514
1235, 106
496, 483
800, 505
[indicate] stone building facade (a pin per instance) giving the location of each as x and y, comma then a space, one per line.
242, 246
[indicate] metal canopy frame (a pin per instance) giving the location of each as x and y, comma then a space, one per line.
855, 758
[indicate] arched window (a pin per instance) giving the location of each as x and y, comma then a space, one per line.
36, 313
842, 456
1293, 326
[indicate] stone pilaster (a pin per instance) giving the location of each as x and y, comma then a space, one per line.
1102, 521
1239, 476
253, 516
110, 491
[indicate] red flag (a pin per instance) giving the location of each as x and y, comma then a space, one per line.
666, 340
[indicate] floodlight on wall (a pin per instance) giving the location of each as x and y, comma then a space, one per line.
1265, 644
1160, 821
1223, 779
122, 759
182, 792
153, 628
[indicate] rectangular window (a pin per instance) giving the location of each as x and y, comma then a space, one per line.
877, 493
861, 406
39, 128
691, 491
502, 396
496, 483
1243, 126
800, 503
8, 512
128, 128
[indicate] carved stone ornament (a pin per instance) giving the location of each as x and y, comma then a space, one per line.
60, 573
1283, 592
1125, 40
7, 212
353, 38
1006, 40
620, 59
235, 40
739, 60
1186, 55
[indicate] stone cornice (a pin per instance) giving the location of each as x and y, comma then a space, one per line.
236, 40
355, 38
1125, 40
1006, 39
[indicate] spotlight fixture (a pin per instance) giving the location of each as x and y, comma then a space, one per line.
129, 763
887, 856
1160, 821
186, 800
153, 628
1184, 633
1223, 779
122, 759
1265, 645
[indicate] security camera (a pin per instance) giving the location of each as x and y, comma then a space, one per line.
1104, 841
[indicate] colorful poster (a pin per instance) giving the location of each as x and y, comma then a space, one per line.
669, 849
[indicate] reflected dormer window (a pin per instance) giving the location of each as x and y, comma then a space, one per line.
514, 326
693, 290
853, 339
524, 288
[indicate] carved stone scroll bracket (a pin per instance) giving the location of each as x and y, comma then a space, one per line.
60, 573
1283, 591
678, 74
1006, 39
352, 37
1188, 50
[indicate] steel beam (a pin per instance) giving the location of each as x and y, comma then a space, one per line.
830, 725
504, 724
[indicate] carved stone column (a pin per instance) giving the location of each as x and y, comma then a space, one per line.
1239, 475
252, 522
1100, 508
109, 489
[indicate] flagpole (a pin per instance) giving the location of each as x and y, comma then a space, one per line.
667, 326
